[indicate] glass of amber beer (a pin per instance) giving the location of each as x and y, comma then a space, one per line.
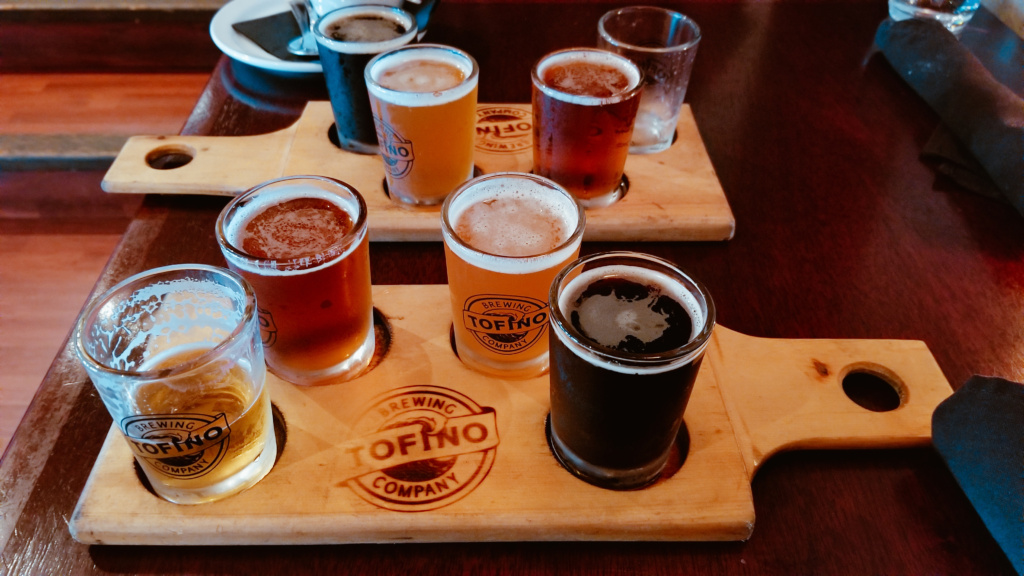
175, 355
585, 102
506, 235
628, 333
302, 242
423, 98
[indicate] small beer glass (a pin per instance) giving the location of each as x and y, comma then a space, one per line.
348, 38
663, 43
175, 355
628, 333
302, 243
584, 104
506, 235
423, 98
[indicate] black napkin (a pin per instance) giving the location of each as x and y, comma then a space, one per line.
985, 116
272, 33
979, 432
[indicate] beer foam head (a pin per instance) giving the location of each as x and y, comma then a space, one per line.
403, 19
588, 55
430, 53
244, 208
512, 223
606, 326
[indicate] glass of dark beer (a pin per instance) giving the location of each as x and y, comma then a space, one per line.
628, 333
347, 39
585, 102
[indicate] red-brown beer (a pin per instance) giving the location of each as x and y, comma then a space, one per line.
584, 104
302, 244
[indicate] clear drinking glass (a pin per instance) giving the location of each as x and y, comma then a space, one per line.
663, 43
175, 355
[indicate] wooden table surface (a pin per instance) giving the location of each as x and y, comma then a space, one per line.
842, 232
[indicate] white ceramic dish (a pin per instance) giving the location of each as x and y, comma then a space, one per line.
240, 48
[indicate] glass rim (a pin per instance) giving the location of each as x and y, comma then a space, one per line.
152, 275
449, 232
470, 80
585, 100
298, 264
694, 346
686, 20
367, 48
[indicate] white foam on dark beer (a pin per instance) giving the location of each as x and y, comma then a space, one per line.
234, 230
325, 23
668, 286
421, 52
588, 55
557, 205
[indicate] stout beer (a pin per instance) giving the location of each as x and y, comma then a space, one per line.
584, 105
302, 243
348, 39
423, 99
628, 335
506, 235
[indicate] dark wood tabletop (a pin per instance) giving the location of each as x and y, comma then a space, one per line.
842, 231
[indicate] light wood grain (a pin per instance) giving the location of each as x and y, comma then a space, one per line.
310, 496
673, 195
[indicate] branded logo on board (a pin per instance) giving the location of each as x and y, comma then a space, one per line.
420, 448
503, 130
505, 324
179, 445
394, 149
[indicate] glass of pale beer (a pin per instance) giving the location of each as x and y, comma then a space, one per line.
175, 355
302, 242
506, 235
628, 333
585, 102
423, 98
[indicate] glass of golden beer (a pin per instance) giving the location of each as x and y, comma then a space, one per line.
175, 355
423, 98
302, 242
585, 102
506, 235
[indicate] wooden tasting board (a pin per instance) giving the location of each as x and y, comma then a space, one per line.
673, 195
753, 397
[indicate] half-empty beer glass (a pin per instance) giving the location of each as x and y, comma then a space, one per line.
628, 333
302, 242
175, 355
506, 235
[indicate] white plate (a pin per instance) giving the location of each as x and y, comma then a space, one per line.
240, 48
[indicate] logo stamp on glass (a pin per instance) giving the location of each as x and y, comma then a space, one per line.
505, 324
395, 149
179, 445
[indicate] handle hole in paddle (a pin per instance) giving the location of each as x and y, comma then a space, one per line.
170, 157
872, 391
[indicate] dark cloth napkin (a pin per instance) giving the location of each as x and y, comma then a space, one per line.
979, 432
272, 33
986, 117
